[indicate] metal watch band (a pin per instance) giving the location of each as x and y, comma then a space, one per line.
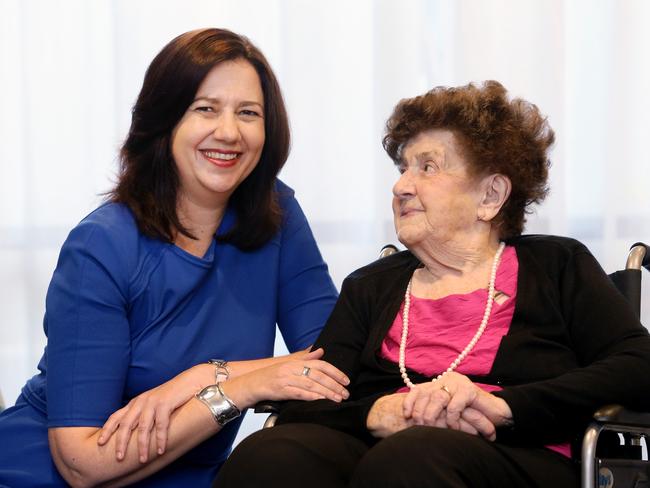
222, 408
222, 373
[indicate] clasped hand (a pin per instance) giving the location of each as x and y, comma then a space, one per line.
275, 379
453, 401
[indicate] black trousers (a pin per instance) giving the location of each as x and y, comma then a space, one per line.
298, 455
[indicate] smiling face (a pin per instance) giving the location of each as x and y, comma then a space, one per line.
219, 140
435, 199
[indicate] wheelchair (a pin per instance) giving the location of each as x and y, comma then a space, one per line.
615, 445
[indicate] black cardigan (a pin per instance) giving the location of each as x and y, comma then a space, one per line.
574, 344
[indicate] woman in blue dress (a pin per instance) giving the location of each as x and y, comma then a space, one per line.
195, 257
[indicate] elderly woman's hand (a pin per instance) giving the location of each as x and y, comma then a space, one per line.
454, 401
386, 416
427, 401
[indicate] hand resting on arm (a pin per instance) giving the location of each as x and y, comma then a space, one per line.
124, 450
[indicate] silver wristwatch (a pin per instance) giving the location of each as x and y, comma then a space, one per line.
222, 408
222, 372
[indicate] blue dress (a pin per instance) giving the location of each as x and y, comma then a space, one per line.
125, 313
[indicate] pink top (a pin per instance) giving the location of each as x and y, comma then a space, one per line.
440, 329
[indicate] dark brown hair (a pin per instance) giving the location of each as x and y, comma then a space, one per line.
495, 134
148, 180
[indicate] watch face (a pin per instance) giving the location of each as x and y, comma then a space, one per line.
222, 372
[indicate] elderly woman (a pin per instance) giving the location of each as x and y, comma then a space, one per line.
476, 356
174, 288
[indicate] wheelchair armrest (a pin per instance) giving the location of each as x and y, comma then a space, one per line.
613, 418
617, 414
267, 406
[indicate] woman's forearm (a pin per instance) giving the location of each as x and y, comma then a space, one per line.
82, 462
239, 368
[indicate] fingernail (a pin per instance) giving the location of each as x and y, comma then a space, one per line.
346, 381
160, 450
337, 398
143, 459
120, 455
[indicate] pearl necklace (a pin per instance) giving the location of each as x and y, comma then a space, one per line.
470, 345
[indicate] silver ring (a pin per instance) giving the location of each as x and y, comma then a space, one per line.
444, 387
305, 371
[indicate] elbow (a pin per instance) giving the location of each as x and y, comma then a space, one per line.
68, 459
76, 478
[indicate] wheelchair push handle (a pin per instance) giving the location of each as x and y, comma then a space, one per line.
638, 257
387, 250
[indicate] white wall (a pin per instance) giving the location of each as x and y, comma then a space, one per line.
71, 69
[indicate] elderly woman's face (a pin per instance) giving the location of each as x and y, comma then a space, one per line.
435, 199
219, 140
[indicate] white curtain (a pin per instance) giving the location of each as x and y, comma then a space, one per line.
71, 69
